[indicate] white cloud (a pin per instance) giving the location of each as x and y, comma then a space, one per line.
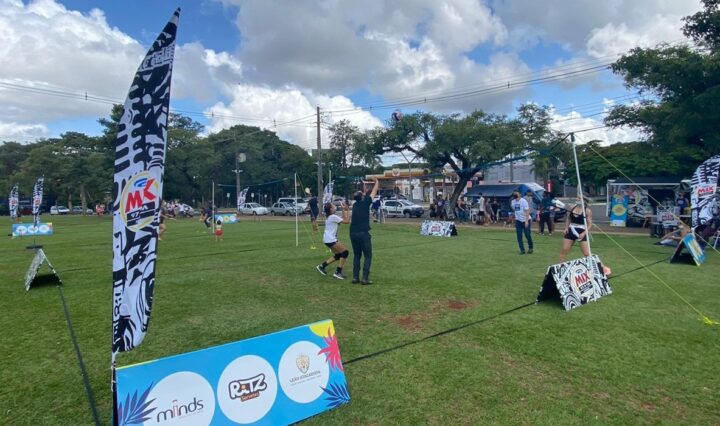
591, 128
612, 38
48, 47
22, 132
280, 109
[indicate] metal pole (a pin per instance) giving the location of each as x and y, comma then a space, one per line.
297, 240
212, 207
319, 159
580, 193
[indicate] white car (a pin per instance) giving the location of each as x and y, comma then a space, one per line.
299, 202
401, 208
284, 209
79, 210
59, 210
253, 209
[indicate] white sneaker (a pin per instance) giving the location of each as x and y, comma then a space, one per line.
339, 275
321, 269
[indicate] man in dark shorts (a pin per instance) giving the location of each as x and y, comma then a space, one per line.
360, 233
314, 212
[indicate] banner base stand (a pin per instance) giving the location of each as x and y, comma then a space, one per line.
39, 259
34, 246
694, 253
575, 282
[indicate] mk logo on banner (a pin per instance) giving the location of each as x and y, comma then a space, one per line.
575, 282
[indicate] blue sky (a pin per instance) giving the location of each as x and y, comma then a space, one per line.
266, 63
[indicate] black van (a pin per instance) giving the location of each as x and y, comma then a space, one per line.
503, 193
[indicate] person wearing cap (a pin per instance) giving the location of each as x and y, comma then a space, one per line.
521, 210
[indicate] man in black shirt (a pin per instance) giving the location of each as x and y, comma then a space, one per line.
314, 212
360, 233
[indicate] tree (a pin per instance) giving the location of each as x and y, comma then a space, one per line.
685, 84
467, 144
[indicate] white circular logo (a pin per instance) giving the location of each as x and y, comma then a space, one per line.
44, 229
247, 389
21, 230
183, 398
303, 372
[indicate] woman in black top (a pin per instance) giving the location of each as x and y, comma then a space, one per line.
575, 230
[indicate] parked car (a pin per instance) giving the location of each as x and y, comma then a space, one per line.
302, 204
79, 210
284, 209
401, 208
253, 209
57, 210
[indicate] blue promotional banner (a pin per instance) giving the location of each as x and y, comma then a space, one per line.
279, 378
619, 209
226, 218
28, 229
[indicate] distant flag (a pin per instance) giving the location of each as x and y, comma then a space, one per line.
704, 202
37, 200
328, 193
241, 198
137, 191
13, 202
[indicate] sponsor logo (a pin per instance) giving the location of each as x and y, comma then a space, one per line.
246, 389
435, 228
180, 398
303, 363
179, 410
706, 190
619, 210
303, 372
140, 201
580, 280
158, 58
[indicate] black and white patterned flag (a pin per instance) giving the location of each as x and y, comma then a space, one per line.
137, 190
13, 202
328, 193
705, 201
37, 200
241, 198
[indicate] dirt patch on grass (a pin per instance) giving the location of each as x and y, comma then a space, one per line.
415, 320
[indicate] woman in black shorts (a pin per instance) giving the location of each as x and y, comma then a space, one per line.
340, 252
575, 229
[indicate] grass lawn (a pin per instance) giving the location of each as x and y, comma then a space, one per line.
640, 355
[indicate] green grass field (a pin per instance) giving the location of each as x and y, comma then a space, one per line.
641, 355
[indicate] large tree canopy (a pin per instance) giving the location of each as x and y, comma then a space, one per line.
684, 82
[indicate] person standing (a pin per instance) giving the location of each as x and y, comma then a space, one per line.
481, 219
495, 210
546, 213
340, 252
314, 213
576, 230
521, 211
360, 233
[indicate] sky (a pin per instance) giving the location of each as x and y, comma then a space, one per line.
270, 63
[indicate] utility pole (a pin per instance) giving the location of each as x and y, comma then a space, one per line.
319, 160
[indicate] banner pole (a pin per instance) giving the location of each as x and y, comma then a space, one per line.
297, 240
580, 193
212, 207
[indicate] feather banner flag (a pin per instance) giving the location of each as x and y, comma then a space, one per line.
241, 198
704, 200
37, 200
328, 193
137, 191
13, 202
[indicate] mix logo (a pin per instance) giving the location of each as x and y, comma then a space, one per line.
19, 230
706, 190
247, 400
303, 372
140, 201
245, 389
183, 398
580, 281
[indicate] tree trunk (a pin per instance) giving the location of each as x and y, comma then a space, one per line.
462, 182
83, 200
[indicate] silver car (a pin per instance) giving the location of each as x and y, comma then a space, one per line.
284, 209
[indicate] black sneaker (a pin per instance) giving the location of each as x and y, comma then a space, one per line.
339, 275
522, 252
321, 269
355, 280
530, 251
366, 282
